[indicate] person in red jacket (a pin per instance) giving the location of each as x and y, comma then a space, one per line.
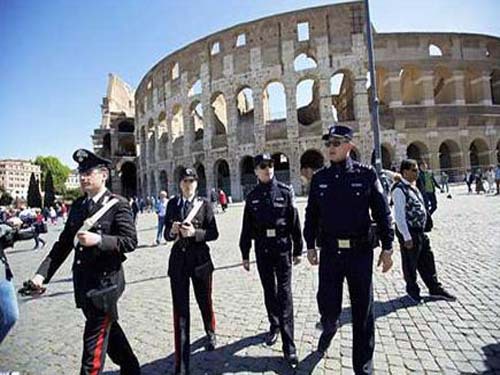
223, 200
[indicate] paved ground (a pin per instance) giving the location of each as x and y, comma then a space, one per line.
436, 337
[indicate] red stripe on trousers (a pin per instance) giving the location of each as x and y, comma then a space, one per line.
210, 307
96, 363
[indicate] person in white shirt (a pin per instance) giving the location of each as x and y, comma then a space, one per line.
161, 209
411, 217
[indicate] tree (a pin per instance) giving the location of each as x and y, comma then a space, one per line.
6, 199
50, 197
59, 171
34, 196
72, 194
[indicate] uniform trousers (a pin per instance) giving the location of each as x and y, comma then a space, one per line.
354, 265
275, 271
179, 284
103, 335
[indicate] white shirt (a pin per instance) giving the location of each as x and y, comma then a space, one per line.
98, 196
399, 199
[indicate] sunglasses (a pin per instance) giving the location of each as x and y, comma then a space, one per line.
191, 180
335, 143
265, 165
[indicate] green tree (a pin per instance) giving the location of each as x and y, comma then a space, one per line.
6, 199
34, 196
72, 194
59, 171
50, 195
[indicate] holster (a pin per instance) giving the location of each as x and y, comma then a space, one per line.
105, 298
204, 270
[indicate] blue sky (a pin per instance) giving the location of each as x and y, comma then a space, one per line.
55, 55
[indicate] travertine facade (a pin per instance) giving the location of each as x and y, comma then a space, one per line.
15, 176
275, 85
114, 139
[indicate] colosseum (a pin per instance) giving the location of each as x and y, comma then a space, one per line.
275, 84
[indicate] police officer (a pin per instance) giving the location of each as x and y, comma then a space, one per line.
338, 220
270, 218
190, 222
98, 277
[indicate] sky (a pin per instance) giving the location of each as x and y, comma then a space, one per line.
55, 55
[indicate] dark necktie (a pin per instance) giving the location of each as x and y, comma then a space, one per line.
88, 206
185, 208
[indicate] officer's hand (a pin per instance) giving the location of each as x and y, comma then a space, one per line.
187, 230
175, 228
38, 280
385, 259
312, 257
246, 264
88, 239
408, 244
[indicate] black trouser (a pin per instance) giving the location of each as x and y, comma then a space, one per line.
356, 266
103, 335
202, 285
430, 201
275, 271
419, 258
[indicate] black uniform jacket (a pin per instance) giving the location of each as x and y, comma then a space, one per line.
271, 207
339, 204
191, 252
99, 265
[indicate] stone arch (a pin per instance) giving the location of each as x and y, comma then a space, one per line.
163, 181
281, 167
307, 101
177, 177
444, 92
126, 126
342, 93
412, 90
197, 122
245, 107
450, 159
247, 175
304, 61
106, 145
202, 179
219, 113
310, 161
177, 122
195, 88
479, 154
222, 176
418, 151
128, 179
274, 102
152, 145
144, 185
435, 50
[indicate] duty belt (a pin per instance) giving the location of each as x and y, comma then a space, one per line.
346, 243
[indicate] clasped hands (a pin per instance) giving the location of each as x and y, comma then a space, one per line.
184, 229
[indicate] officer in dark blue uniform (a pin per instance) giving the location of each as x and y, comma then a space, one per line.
270, 218
338, 219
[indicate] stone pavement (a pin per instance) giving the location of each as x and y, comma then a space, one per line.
436, 337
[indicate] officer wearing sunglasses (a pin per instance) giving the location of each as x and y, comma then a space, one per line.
271, 219
343, 199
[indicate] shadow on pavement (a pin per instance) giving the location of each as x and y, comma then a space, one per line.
492, 362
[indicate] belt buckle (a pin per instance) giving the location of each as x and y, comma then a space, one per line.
270, 233
344, 244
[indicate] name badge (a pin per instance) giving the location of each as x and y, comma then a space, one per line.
344, 244
270, 232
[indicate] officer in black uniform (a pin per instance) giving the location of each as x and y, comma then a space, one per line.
190, 259
338, 220
270, 218
98, 277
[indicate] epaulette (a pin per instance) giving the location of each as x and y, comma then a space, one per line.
285, 186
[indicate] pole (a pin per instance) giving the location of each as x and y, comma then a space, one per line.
373, 93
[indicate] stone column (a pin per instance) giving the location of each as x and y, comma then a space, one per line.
458, 80
393, 81
484, 89
325, 103
292, 123
259, 125
427, 80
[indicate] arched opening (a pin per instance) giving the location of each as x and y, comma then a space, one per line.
281, 167
144, 186
495, 87
163, 181
342, 92
128, 179
154, 190
274, 102
247, 173
472, 86
177, 123
126, 145
479, 154
444, 92
307, 98
417, 151
202, 179
177, 177
223, 176
450, 159
412, 90
126, 126
106, 145
164, 145
219, 114
196, 115
304, 62
195, 89
435, 51
152, 145
244, 104
310, 162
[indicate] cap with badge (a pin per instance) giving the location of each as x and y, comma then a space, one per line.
188, 173
338, 131
87, 160
262, 159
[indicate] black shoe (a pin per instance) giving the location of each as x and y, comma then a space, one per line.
415, 298
271, 338
442, 294
292, 360
211, 342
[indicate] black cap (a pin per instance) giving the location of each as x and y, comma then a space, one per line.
188, 173
87, 160
262, 158
338, 131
